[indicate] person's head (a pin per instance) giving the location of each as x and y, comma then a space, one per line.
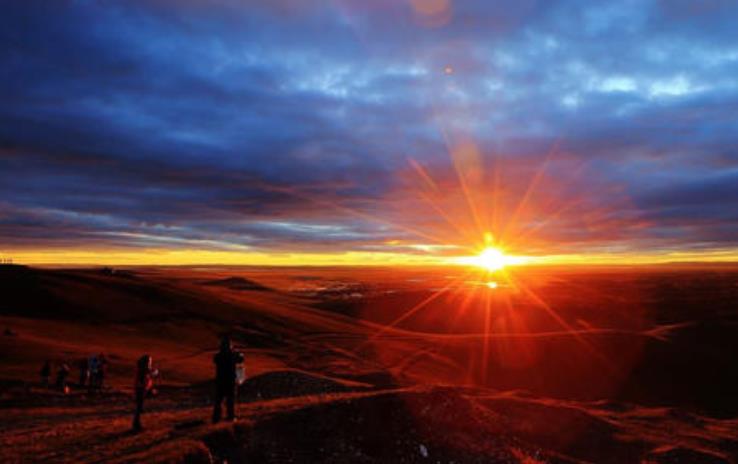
225, 343
145, 362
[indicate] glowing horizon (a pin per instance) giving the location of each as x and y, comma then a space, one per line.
185, 257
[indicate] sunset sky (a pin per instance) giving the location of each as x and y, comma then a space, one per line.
360, 132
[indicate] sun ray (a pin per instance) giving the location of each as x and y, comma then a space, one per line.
359, 214
555, 214
532, 185
486, 341
524, 234
453, 223
469, 150
415, 309
578, 335
495, 195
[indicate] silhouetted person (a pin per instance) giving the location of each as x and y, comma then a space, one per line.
226, 361
61, 377
45, 373
143, 386
98, 366
102, 370
92, 366
84, 371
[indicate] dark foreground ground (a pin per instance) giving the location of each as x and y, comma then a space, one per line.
379, 365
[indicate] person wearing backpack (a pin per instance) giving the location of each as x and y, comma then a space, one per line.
227, 361
84, 371
93, 365
143, 387
61, 378
45, 374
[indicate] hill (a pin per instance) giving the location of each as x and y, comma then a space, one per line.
325, 385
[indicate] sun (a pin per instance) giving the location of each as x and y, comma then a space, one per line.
491, 259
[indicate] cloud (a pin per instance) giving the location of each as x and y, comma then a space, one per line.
288, 125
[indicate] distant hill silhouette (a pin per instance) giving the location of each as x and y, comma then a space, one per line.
237, 283
98, 296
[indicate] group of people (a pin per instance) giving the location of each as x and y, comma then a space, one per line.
92, 372
229, 373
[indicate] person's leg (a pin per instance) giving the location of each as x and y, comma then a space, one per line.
217, 406
231, 400
139, 409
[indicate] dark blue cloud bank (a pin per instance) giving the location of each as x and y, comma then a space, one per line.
283, 125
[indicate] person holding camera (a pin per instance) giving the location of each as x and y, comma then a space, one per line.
143, 387
227, 363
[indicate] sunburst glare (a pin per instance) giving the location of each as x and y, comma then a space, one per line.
491, 259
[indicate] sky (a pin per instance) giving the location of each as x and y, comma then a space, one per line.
367, 132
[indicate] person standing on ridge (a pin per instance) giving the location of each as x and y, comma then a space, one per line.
45, 374
102, 370
227, 361
61, 378
143, 386
84, 371
92, 367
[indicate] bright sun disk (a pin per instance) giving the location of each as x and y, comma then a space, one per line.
491, 259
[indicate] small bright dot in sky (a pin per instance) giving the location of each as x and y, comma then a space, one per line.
448, 70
